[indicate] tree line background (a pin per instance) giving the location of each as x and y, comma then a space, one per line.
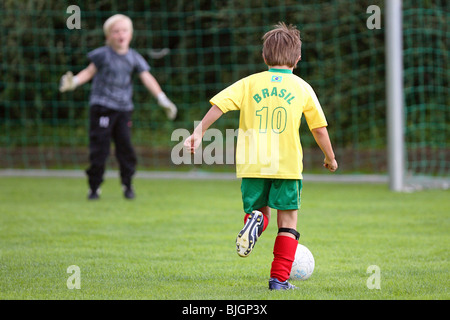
213, 44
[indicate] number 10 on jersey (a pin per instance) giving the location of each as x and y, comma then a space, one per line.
277, 119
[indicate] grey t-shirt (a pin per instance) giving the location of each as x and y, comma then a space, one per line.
112, 84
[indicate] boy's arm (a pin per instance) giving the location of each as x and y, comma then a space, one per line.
150, 83
193, 141
153, 86
70, 82
323, 140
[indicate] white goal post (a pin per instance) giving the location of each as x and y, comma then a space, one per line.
394, 95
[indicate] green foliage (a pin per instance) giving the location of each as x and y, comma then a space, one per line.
213, 44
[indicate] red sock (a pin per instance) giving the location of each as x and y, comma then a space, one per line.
283, 257
265, 221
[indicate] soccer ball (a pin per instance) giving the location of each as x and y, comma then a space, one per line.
303, 265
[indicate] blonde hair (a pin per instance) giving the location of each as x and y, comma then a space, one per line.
114, 19
282, 45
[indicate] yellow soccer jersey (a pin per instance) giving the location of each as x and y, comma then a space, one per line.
271, 104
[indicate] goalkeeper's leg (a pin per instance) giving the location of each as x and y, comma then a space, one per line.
99, 147
125, 153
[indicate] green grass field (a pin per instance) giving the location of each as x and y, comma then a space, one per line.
176, 241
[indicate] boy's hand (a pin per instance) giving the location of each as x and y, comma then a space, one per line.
169, 106
68, 82
192, 142
330, 164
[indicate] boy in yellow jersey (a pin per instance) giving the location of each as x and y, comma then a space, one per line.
269, 154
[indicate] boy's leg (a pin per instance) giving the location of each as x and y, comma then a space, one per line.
125, 153
285, 196
254, 197
285, 245
266, 212
99, 145
247, 237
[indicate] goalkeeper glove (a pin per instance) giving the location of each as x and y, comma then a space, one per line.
68, 82
168, 106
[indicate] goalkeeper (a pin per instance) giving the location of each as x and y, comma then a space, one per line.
111, 103
269, 155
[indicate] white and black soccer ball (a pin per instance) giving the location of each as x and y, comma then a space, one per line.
303, 265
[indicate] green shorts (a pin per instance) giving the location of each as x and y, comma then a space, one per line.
281, 194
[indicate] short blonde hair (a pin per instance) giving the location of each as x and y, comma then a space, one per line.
114, 19
282, 45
